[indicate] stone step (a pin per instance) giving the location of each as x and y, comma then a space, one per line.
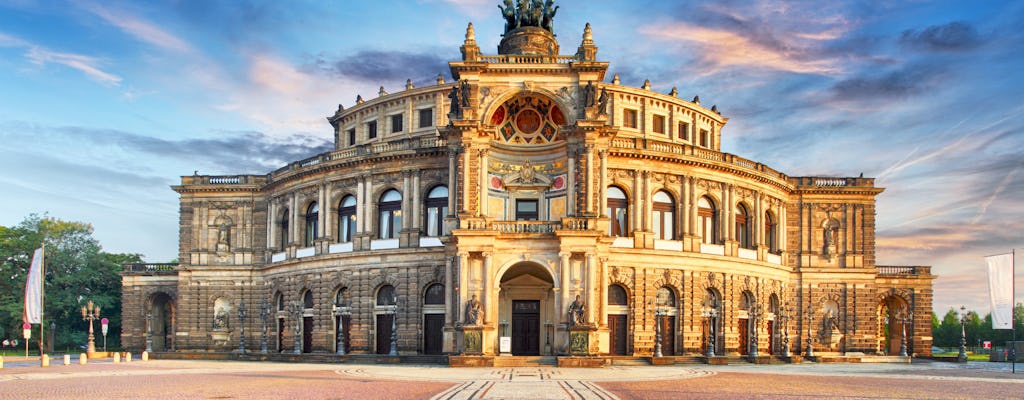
525, 361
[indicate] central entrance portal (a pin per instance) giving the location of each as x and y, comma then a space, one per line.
526, 327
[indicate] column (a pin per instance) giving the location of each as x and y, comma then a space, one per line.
448, 314
360, 205
464, 284
604, 183
566, 285
781, 231
604, 292
589, 183
325, 209
692, 211
293, 217
465, 178
571, 192
417, 202
453, 172
368, 204
482, 182
634, 219
592, 281
684, 208
406, 200
647, 203
490, 309
758, 224
271, 227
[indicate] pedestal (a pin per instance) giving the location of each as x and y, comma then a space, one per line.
579, 340
473, 340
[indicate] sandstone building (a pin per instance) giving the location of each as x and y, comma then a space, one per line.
532, 199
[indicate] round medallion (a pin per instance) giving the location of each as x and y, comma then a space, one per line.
528, 121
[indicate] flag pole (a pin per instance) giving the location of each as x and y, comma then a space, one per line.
1013, 302
42, 299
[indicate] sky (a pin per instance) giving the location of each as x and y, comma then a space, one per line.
105, 104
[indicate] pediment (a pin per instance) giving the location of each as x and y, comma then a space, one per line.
527, 281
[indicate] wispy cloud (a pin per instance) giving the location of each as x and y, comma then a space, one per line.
951, 37
85, 64
139, 28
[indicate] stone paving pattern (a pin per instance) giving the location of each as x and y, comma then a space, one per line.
178, 379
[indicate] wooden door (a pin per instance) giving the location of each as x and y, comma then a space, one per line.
384, 333
668, 335
280, 335
433, 333
525, 327
617, 334
744, 344
771, 337
307, 334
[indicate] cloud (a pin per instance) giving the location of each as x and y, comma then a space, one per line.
85, 64
952, 37
139, 28
386, 66
894, 85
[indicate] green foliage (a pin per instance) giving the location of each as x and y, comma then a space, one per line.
976, 329
77, 270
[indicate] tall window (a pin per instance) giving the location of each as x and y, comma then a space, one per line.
704, 138
663, 216
390, 214
629, 118
618, 211
708, 217
371, 129
285, 217
352, 137
434, 294
312, 224
683, 131
346, 219
396, 123
666, 297
658, 124
617, 296
771, 229
437, 209
743, 222
307, 299
426, 117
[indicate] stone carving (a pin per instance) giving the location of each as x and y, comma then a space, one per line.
474, 311
528, 13
454, 111
830, 231
577, 312
602, 103
589, 94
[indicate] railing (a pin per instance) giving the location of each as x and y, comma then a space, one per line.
526, 226
151, 267
526, 59
825, 181
363, 149
903, 270
694, 151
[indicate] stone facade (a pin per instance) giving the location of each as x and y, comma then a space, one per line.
530, 184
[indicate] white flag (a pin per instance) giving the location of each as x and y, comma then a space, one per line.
34, 290
1000, 289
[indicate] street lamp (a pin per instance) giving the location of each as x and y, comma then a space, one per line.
149, 332
296, 310
241, 324
394, 327
710, 313
962, 357
658, 313
340, 310
264, 316
91, 312
903, 315
784, 316
755, 313
809, 352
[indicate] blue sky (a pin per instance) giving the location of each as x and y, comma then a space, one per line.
104, 105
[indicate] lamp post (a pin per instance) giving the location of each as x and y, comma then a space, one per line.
241, 324
809, 352
657, 331
340, 309
264, 316
548, 329
149, 331
710, 312
296, 310
394, 328
755, 312
103, 328
91, 312
903, 315
962, 357
784, 320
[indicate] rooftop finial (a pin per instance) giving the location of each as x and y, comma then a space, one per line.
588, 35
528, 13
440, 79
470, 33
408, 84
382, 92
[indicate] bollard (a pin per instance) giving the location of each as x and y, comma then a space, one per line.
145, 357
1, 362
83, 359
128, 357
67, 359
44, 361
117, 358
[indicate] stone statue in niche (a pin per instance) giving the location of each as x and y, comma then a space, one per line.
602, 103
577, 312
474, 311
464, 88
223, 238
830, 232
220, 317
454, 111
589, 95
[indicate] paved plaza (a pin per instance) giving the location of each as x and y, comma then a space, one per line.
177, 379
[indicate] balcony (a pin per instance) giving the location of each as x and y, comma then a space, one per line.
894, 271
151, 268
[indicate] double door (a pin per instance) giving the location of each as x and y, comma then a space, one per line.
526, 327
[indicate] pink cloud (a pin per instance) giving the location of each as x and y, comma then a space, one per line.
140, 29
86, 64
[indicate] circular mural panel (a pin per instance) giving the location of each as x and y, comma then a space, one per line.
528, 121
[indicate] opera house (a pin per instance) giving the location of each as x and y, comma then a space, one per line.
532, 206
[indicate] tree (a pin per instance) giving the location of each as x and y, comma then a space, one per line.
77, 270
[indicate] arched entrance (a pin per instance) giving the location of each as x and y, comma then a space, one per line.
161, 321
891, 311
525, 300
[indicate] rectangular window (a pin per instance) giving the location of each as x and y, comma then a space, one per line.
396, 123
371, 129
526, 210
683, 131
629, 118
703, 138
426, 117
352, 137
658, 122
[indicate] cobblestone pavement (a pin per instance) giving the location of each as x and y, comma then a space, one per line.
175, 379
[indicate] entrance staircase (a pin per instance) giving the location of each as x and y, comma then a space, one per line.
525, 361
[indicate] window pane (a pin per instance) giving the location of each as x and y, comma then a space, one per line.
432, 222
